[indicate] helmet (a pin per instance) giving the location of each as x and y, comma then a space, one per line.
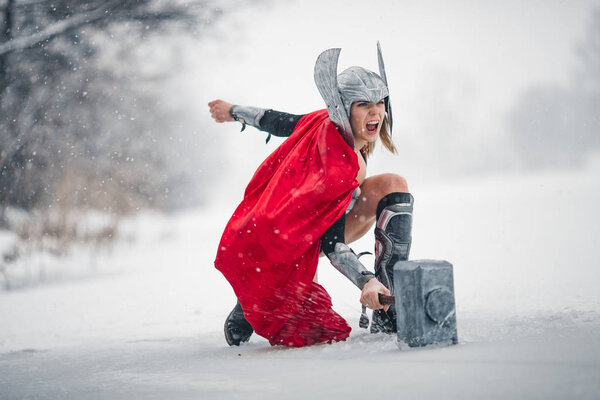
360, 84
353, 84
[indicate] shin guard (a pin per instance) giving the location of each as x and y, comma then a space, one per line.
392, 244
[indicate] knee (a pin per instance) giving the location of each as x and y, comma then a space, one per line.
393, 183
379, 186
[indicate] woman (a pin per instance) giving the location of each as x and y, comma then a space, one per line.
309, 196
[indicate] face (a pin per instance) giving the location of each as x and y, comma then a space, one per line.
366, 119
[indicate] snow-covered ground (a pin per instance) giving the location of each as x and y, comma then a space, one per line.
145, 318
148, 322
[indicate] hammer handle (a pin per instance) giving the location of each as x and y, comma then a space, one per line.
385, 300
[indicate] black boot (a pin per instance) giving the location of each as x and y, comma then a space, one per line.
237, 329
392, 244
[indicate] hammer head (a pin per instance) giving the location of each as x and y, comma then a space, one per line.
425, 308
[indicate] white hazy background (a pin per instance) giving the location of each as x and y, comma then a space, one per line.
456, 70
519, 226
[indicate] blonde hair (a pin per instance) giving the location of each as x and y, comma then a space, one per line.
386, 139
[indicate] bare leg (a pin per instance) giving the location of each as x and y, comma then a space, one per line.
362, 216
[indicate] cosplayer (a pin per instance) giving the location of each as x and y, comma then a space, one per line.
311, 196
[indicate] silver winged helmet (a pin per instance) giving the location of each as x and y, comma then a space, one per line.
353, 84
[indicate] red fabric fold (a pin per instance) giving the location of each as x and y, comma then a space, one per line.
269, 250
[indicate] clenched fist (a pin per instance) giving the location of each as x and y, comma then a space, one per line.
370, 294
219, 110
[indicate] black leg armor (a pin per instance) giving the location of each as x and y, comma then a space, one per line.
392, 244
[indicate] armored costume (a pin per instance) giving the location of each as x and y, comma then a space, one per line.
293, 208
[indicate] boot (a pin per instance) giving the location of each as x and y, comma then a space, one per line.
392, 244
237, 329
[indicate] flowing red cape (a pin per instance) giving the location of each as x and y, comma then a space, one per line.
269, 250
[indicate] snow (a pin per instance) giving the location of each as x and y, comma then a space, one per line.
148, 323
145, 318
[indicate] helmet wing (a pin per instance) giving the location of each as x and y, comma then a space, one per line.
384, 77
327, 83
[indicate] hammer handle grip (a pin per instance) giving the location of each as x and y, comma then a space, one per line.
385, 300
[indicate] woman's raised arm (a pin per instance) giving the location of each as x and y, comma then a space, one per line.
276, 123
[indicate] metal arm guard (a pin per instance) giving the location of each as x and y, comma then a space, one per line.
346, 261
247, 115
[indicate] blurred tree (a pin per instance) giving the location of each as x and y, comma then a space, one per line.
75, 131
554, 126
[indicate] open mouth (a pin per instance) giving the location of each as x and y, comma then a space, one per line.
372, 126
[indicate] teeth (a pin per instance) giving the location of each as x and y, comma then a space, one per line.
372, 122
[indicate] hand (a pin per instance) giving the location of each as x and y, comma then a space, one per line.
370, 294
219, 110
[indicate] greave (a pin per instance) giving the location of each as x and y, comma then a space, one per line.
392, 244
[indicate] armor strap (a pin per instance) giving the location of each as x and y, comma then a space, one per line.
346, 261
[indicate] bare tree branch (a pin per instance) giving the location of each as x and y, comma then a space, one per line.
69, 119
25, 42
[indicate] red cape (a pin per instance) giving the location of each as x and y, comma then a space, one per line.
270, 248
